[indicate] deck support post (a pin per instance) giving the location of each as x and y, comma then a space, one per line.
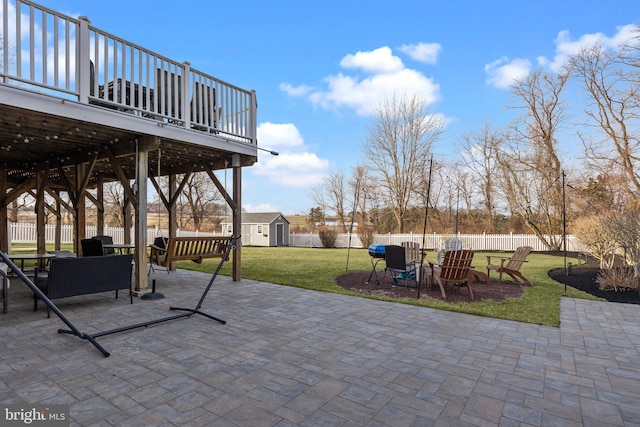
237, 217
140, 189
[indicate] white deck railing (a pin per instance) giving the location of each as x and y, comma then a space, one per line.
49, 52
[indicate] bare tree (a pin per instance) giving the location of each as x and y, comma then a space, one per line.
336, 194
364, 191
625, 230
15, 206
530, 168
611, 82
438, 198
114, 204
398, 147
479, 151
330, 195
318, 195
200, 198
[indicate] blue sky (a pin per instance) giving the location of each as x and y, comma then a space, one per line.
320, 68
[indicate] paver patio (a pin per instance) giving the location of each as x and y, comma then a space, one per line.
296, 357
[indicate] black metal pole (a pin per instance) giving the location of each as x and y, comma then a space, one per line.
353, 212
232, 244
72, 329
189, 311
424, 228
564, 228
457, 209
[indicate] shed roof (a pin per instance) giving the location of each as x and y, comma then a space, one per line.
259, 218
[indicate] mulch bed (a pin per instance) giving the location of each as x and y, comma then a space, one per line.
581, 277
357, 281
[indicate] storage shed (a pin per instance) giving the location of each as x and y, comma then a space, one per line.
262, 229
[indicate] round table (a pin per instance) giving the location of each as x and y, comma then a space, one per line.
23, 257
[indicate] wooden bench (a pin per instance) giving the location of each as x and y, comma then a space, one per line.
193, 249
69, 277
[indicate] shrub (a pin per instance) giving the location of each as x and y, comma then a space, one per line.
366, 235
617, 279
328, 236
597, 238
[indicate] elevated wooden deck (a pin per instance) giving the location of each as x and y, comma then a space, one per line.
69, 90
80, 107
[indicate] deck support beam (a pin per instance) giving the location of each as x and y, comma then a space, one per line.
4, 212
142, 175
237, 217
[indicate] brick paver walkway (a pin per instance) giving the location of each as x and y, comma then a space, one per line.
295, 357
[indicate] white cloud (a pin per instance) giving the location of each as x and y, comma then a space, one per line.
380, 60
295, 166
423, 52
295, 170
503, 73
276, 135
386, 76
566, 46
291, 90
364, 95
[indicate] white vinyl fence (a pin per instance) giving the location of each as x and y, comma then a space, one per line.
26, 233
476, 242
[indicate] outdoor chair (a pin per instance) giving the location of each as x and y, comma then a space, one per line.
511, 266
452, 244
397, 265
106, 240
413, 256
91, 247
454, 269
412, 252
158, 254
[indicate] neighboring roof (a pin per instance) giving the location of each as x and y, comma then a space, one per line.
258, 218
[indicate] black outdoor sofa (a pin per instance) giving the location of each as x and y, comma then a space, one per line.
69, 277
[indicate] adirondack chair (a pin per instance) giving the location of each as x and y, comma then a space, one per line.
455, 269
412, 252
413, 257
511, 265
452, 244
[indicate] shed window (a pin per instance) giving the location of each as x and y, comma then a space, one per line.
259, 229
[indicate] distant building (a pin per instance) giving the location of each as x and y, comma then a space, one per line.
261, 229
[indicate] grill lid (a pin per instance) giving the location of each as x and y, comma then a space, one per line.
376, 251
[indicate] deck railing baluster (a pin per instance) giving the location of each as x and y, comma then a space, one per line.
78, 60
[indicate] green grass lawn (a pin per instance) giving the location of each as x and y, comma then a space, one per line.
315, 268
